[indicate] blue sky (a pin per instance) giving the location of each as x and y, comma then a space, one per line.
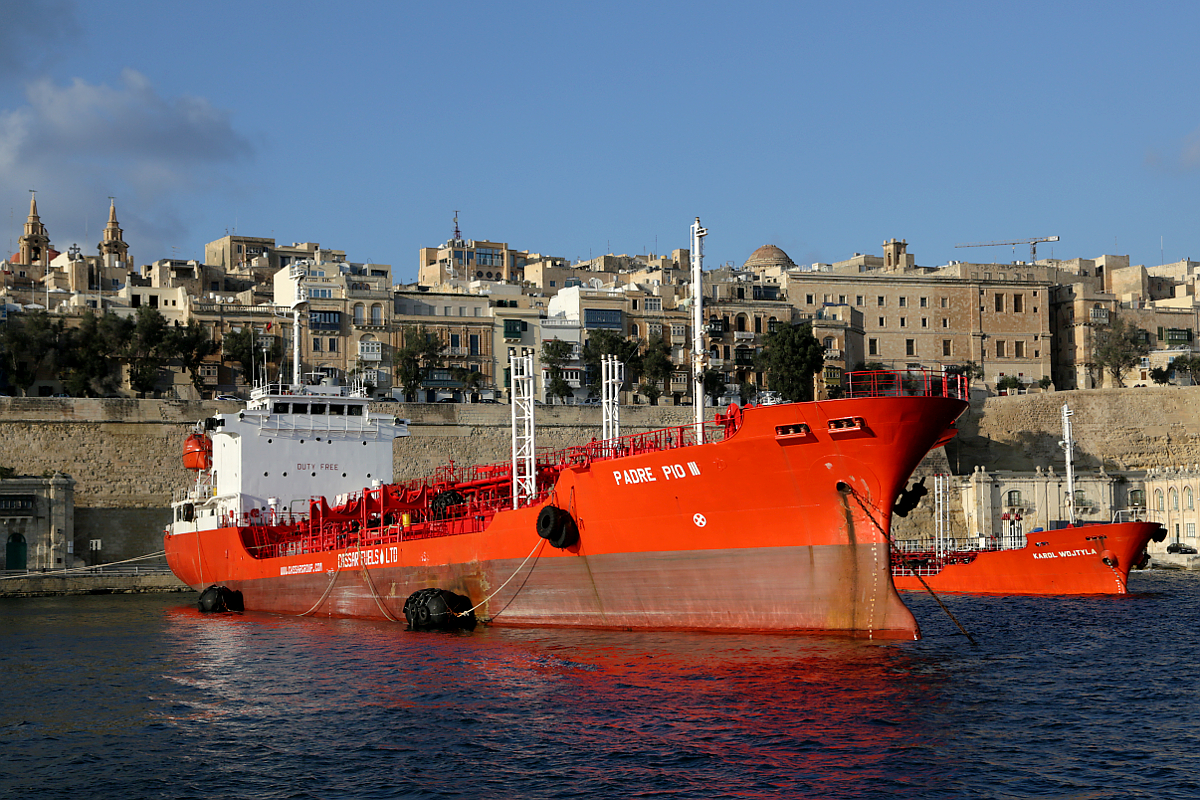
572, 130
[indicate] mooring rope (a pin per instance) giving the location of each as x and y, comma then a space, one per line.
892, 545
328, 589
371, 584
53, 572
540, 542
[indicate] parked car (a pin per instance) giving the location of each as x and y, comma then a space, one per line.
386, 399
228, 397
1181, 549
489, 400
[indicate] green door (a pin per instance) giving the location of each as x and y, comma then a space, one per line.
14, 552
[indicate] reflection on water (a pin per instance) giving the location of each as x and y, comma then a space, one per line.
147, 697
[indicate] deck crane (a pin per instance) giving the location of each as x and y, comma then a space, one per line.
1033, 243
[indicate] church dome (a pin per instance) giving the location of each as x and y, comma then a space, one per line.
768, 256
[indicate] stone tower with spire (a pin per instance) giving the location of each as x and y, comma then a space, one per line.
35, 243
113, 250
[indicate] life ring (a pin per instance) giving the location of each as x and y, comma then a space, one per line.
1109, 557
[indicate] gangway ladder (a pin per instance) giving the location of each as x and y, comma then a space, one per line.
941, 514
612, 377
524, 461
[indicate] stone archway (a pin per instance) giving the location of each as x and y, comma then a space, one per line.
16, 552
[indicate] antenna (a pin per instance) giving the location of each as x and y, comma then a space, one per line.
457, 232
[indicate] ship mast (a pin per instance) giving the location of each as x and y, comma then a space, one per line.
698, 352
1068, 446
300, 299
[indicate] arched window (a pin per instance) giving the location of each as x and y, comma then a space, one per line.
634, 329
1014, 498
1187, 498
377, 314
1158, 500
359, 313
741, 322
828, 343
1172, 500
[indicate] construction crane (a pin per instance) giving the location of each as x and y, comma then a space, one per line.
1033, 243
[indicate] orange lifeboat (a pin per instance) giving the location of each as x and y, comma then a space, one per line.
197, 452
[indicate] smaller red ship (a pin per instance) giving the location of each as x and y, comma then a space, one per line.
1080, 559
1077, 559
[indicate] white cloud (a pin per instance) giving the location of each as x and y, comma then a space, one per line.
79, 143
1178, 157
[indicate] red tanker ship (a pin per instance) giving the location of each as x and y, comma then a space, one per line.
1077, 559
773, 518
1080, 559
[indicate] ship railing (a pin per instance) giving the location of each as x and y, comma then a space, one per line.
1129, 515
904, 383
655, 441
198, 492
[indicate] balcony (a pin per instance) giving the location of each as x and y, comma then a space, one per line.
833, 353
1099, 316
370, 351
743, 336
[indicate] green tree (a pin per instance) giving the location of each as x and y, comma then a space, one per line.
1188, 366
91, 354
29, 342
790, 357
713, 384
657, 368
746, 391
555, 354
1045, 382
1009, 383
605, 342
1119, 347
421, 353
238, 346
147, 349
192, 344
1160, 375
471, 379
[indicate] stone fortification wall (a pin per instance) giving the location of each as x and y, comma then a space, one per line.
1120, 429
125, 454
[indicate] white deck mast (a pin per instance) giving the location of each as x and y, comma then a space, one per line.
1068, 445
698, 351
301, 298
524, 467
612, 376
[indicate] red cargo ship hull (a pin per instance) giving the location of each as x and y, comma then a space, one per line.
782, 526
1085, 559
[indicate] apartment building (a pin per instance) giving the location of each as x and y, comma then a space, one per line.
464, 324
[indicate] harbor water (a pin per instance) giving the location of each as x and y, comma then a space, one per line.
141, 696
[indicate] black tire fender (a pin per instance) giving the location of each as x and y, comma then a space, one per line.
549, 522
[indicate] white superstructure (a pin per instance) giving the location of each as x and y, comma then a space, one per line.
290, 444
